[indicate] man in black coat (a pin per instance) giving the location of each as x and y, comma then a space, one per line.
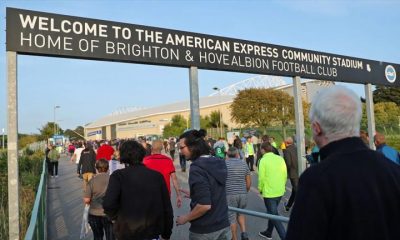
290, 156
354, 192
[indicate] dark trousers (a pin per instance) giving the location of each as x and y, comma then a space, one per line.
272, 208
172, 153
250, 162
295, 184
48, 166
182, 162
53, 167
101, 226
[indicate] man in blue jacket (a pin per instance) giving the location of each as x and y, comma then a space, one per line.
380, 143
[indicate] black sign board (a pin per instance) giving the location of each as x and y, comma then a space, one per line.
38, 33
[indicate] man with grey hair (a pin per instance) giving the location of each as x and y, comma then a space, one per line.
238, 183
354, 192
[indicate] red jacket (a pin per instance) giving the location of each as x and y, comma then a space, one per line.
105, 151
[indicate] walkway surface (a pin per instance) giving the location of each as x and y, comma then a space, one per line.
65, 206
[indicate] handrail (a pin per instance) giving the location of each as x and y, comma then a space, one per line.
38, 223
259, 214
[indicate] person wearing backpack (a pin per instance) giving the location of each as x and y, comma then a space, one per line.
53, 156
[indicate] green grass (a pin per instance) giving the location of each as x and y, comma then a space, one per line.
30, 168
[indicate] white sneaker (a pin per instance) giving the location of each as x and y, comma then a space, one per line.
56, 176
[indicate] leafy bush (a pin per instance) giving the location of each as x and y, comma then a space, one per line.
30, 168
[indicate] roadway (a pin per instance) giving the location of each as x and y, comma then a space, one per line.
65, 205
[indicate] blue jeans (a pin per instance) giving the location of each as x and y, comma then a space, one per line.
272, 208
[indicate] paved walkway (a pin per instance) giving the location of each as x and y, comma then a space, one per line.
65, 205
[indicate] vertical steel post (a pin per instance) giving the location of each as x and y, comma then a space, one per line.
12, 147
299, 117
370, 114
194, 98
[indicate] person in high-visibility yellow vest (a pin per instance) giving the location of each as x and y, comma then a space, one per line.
249, 153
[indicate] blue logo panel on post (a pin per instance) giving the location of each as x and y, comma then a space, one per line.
390, 73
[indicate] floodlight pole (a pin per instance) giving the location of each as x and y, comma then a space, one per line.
194, 98
220, 110
12, 147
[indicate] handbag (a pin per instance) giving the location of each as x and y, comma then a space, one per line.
85, 227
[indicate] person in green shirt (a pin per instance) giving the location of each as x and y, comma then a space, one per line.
272, 176
249, 153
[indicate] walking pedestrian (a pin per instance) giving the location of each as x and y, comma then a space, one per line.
53, 156
86, 165
249, 153
137, 198
272, 177
93, 195
207, 178
354, 192
389, 152
238, 183
165, 166
290, 156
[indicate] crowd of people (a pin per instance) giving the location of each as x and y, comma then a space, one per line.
349, 192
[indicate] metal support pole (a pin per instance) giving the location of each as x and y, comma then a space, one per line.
370, 114
12, 147
299, 117
194, 98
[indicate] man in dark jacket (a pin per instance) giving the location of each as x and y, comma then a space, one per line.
290, 156
207, 178
354, 192
137, 198
86, 165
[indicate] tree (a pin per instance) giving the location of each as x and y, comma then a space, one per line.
386, 114
215, 120
77, 134
263, 108
176, 127
47, 131
387, 94
25, 140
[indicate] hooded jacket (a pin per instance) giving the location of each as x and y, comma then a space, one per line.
207, 180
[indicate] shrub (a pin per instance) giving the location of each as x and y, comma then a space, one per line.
30, 168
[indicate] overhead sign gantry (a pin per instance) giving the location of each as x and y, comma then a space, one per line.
39, 33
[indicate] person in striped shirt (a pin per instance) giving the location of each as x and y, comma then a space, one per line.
238, 183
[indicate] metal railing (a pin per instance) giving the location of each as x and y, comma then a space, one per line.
259, 214
38, 225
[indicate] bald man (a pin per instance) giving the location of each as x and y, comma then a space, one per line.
390, 153
164, 165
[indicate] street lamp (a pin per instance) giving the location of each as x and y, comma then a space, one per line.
55, 129
220, 112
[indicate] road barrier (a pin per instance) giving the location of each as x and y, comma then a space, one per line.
259, 214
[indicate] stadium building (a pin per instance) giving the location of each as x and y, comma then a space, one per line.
151, 121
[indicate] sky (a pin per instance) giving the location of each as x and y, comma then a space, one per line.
87, 90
